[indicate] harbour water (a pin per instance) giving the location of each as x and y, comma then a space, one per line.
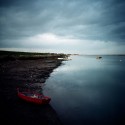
89, 91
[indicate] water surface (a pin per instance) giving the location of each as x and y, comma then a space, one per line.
89, 91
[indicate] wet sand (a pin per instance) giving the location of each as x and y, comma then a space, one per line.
25, 73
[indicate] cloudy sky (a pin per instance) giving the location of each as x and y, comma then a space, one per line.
68, 26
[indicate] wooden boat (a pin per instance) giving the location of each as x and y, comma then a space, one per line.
33, 97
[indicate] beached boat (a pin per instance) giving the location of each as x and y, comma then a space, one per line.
33, 97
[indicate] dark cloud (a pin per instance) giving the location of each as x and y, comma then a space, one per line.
102, 20
11, 3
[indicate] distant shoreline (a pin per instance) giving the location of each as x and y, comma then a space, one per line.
13, 55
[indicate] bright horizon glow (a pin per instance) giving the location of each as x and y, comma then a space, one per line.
55, 44
49, 38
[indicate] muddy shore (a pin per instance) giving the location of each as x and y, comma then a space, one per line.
25, 73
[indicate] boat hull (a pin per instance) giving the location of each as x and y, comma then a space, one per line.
35, 98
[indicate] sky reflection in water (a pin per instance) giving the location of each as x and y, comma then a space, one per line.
89, 91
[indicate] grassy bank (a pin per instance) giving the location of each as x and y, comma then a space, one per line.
12, 55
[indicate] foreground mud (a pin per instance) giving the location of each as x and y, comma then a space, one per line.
27, 73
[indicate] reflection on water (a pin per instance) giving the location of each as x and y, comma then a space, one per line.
89, 91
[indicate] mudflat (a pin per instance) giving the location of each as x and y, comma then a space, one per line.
26, 73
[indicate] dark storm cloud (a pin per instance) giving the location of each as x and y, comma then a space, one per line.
18, 20
9, 3
102, 20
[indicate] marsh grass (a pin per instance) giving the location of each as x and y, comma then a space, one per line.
13, 55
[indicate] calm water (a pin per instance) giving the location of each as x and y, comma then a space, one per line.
88, 91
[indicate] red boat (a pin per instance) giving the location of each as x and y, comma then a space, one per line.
33, 97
